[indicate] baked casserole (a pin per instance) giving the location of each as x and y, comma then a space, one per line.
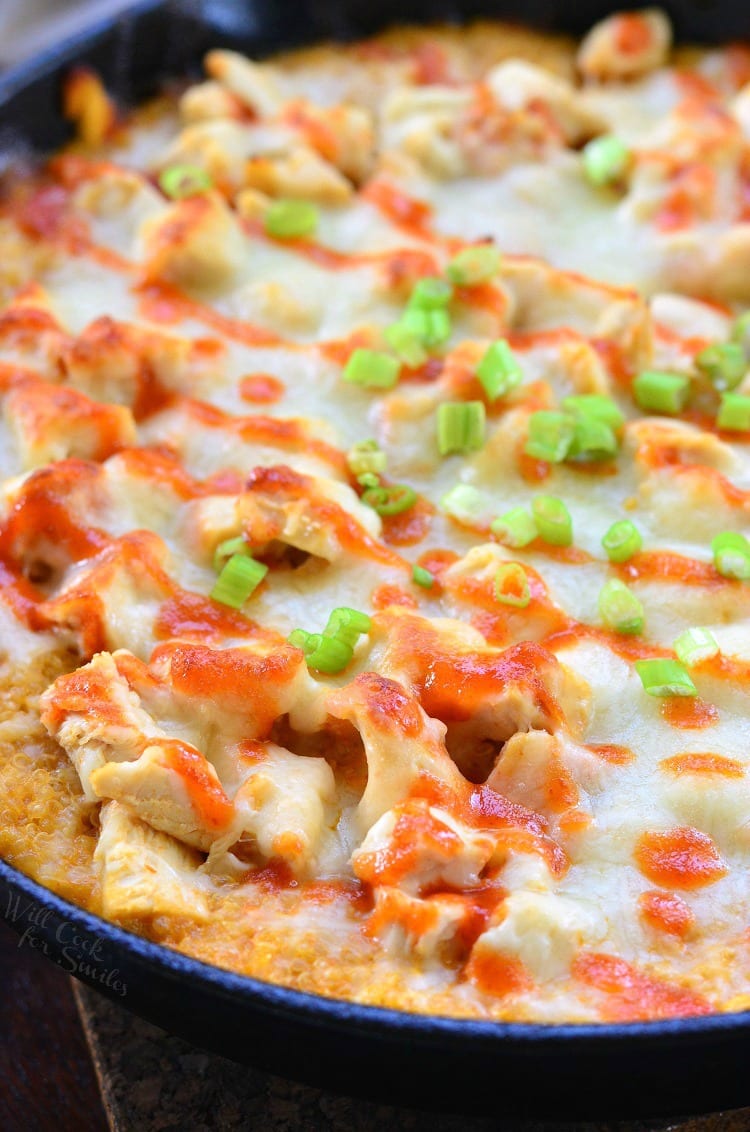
373, 530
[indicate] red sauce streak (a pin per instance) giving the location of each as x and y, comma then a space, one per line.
262, 389
224, 676
431, 64
43, 510
387, 595
161, 302
632, 33
689, 713
437, 561
666, 912
455, 687
410, 526
679, 858
703, 762
631, 993
193, 617
664, 566
498, 975
411, 215
204, 790
612, 753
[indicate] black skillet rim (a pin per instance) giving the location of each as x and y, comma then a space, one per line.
356, 1017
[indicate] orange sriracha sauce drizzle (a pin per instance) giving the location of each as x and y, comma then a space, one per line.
451, 686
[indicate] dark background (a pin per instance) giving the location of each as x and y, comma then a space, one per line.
46, 1076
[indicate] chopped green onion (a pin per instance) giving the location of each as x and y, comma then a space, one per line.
347, 625
553, 520
605, 160
596, 406
512, 585
181, 181
695, 645
734, 412
291, 219
227, 548
550, 436
619, 608
622, 541
424, 325
475, 264
437, 327
741, 331
366, 456
430, 293
460, 426
322, 654
372, 369
368, 479
515, 528
723, 363
661, 392
663, 677
422, 577
466, 503
592, 440
407, 341
238, 579
731, 553
390, 500
499, 371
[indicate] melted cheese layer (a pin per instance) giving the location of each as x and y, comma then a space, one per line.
483, 813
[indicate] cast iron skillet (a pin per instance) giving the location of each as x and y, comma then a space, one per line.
654, 1068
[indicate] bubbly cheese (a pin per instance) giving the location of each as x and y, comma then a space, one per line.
479, 811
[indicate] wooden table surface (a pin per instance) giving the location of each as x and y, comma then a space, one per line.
47, 1080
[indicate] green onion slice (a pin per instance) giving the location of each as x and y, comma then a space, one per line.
422, 577
731, 552
515, 528
553, 520
406, 339
475, 264
622, 541
723, 363
390, 500
238, 579
460, 426
368, 479
465, 503
181, 181
595, 406
499, 371
741, 331
592, 440
347, 625
322, 654
695, 645
512, 585
431, 293
550, 436
605, 160
658, 392
227, 548
734, 412
663, 677
372, 369
619, 608
291, 219
366, 456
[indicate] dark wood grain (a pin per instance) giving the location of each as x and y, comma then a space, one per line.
47, 1080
